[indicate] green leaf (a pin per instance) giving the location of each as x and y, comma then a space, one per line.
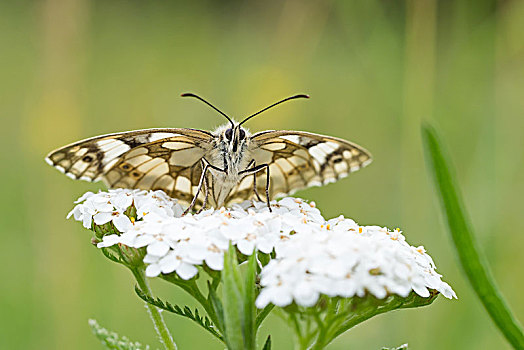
217, 306
232, 301
111, 340
360, 309
263, 314
267, 344
471, 258
110, 254
402, 347
202, 321
263, 258
249, 303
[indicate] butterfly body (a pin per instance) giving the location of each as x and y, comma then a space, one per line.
229, 156
216, 168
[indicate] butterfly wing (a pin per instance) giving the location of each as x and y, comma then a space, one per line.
166, 159
299, 160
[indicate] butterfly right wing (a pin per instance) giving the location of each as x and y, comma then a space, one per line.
298, 160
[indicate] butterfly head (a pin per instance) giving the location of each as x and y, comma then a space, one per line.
235, 136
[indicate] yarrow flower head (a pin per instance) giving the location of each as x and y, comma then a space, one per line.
343, 259
176, 243
312, 256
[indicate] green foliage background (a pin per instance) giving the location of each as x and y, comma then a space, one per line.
71, 69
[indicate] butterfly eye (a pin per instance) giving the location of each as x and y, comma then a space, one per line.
229, 134
242, 134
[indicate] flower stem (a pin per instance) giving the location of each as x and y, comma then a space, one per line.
298, 332
158, 321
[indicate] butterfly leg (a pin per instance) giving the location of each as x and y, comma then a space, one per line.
206, 194
254, 171
267, 187
252, 162
255, 187
202, 177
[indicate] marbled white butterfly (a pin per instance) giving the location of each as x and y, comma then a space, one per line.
220, 168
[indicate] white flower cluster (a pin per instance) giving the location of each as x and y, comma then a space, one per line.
178, 243
313, 256
345, 259
103, 207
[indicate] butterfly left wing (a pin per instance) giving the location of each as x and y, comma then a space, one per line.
298, 160
173, 165
167, 159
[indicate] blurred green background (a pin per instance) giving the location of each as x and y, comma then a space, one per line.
72, 69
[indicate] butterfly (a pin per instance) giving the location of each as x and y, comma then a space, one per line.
217, 168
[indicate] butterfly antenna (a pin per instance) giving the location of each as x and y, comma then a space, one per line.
188, 94
273, 105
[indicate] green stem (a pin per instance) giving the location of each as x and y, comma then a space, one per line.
158, 321
330, 323
311, 333
298, 331
320, 342
215, 282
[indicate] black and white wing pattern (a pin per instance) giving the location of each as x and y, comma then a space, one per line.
299, 160
151, 159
